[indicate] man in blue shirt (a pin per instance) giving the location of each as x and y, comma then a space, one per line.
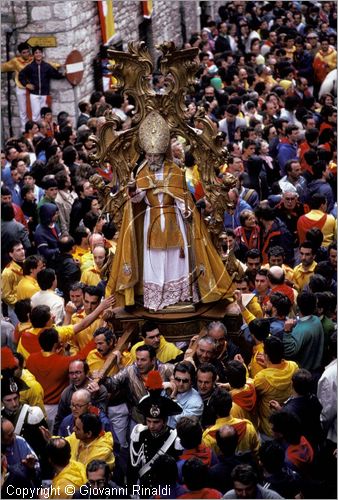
231, 217
287, 150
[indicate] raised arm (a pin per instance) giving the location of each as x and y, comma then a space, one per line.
88, 320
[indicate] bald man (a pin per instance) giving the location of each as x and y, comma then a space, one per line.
80, 404
94, 240
276, 276
220, 474
92, 275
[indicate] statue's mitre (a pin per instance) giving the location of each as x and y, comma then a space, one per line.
154, 134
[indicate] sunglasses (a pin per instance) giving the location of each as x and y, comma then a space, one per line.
183, 380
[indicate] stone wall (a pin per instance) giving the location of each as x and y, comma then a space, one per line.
127, 17
75, 24
212, 7
165, 23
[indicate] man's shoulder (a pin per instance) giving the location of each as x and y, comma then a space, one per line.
93, 354
290, 366
196, 395
331, 218
33, 358
34, 415
230, 494
315, 323
240, 121
135, 346
65, 329
297, 268
285, 146
38, 295
266, 493
56, 298
30, 65
23, 445
127, 373
67, 392
189, 396
137, 431
46, 64
330, 371
211, 430
260, 377
243, 205
67, 419
20, 440
7, 271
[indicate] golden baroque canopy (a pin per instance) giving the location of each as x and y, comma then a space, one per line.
122, 148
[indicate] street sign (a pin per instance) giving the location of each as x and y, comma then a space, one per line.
42, 41
74, 67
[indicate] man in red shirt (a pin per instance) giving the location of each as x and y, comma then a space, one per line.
276, 277
6, 197
50, 366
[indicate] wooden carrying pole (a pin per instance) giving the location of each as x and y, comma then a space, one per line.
192, 348
120, 346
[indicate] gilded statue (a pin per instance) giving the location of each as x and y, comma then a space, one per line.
164, 253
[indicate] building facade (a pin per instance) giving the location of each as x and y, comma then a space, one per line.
88, 26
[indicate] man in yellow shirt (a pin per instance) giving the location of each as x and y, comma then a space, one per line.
92, 275
42, 318
276, 256
22, 310
325, 60
68, 472
91, 299
88, 441
318, 217
253, 306
259, 330
273, 382
95, 240
303, 272
105, 341
81, 247
75, 313
11, 276
16, 64
34, 395
242, 391
248, 440
166, 352
28, 285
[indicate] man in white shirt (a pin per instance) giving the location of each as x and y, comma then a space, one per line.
327, 394
187, 397
47, 297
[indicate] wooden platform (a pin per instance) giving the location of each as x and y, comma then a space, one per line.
183, 325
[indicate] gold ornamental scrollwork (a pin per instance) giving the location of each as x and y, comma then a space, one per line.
121, 148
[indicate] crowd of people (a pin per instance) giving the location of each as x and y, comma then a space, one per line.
246, 415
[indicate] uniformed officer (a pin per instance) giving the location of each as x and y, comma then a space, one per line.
25, 418
155, 438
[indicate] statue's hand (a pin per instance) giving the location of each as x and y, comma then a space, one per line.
132, 183
187, 215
